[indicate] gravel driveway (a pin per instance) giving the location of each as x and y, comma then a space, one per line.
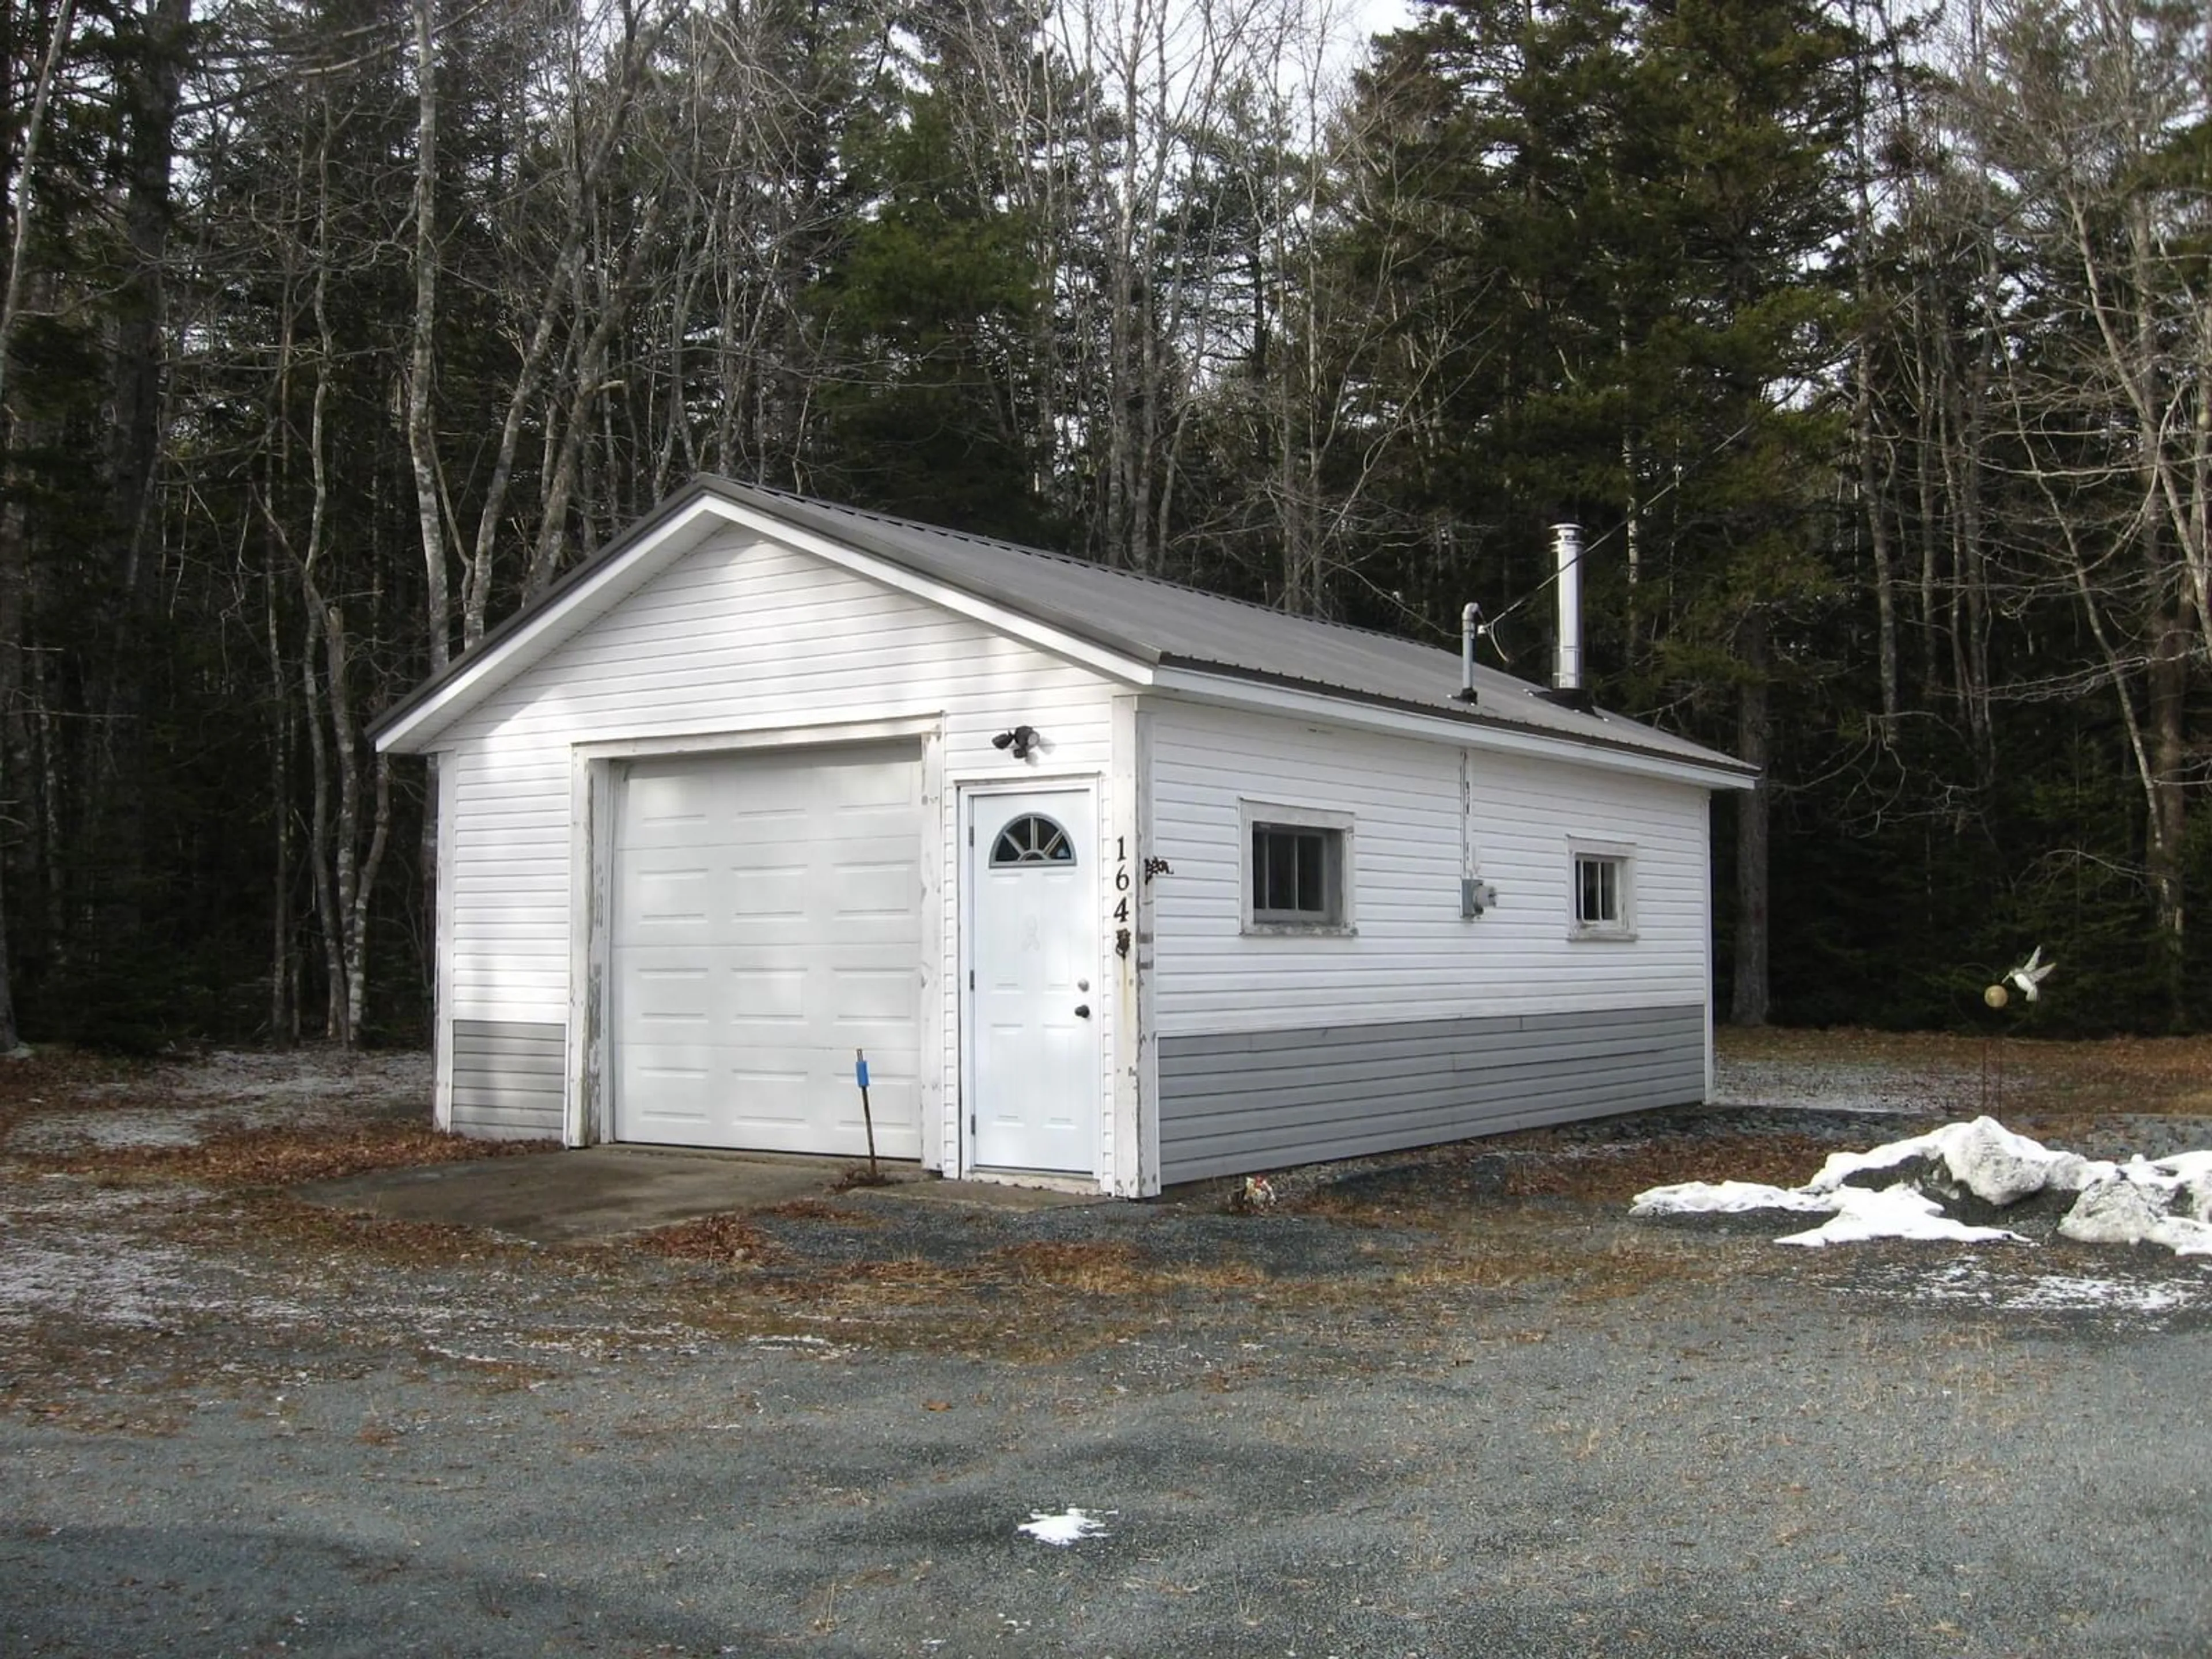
1456, 1405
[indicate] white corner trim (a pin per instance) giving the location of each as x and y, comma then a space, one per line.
934, 1106
585, 1115
449, 813
1229, 691
1133, 1150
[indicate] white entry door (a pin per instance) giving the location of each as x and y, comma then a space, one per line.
1036, 992
767, 924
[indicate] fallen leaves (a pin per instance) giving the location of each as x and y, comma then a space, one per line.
1616, 1173
287, 1155
721, 1238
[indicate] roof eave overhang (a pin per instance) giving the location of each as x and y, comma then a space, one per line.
414, 725
1225, 688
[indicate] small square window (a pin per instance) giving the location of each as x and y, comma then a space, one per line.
1290, 873
1598, 891
1604, 894
1296, 870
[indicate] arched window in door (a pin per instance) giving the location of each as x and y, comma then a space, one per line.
1032, 839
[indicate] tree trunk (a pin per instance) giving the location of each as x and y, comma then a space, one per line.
421, 445
591, 359
323, 849
422, 441
1747, 1005
282, 1009
2169, 698
115, 785
1872, 493
14, 532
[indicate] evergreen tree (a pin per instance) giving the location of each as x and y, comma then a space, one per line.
1637, 205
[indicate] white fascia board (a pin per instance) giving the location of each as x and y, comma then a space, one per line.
626, 571
561, 619
958, 600
1228, 691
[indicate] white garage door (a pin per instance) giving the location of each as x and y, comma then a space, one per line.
767, 923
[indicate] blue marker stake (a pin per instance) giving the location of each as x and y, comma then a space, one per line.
868, 1117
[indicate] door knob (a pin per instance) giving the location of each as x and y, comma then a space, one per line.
1083, 1010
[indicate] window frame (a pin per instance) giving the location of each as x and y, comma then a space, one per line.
1068, 859
1621, 855
1338, 876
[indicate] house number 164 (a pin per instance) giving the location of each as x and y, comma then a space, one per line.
1121, 896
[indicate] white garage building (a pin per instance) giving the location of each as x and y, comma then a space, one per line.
1114, 883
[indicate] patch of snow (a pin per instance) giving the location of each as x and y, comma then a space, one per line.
303, 1075
71, 1198
1067, 1527
2187, 1177
2164, 1201
2124, 1211
1727, 1197
1969, 1281
184, 1103
104, 1130
1863, 1214
122, 1284
2067, 1292
72, 1250
1991, 1161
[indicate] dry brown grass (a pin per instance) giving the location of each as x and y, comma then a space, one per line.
286, 1155
52, 1072
1555, 1264
1077, 1291
1348, 1209
909, 1273
2158, 1075
1088, 1269
719, 1238
891, 1294
1438, 1190
271, 1222
1615, 1174
815, 1209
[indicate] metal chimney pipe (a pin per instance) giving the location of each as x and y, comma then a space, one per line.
1470, 619
1567, 549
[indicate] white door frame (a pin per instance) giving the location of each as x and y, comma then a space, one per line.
969, 792
594, 789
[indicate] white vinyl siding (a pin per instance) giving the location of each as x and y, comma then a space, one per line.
739, 635
1413, 956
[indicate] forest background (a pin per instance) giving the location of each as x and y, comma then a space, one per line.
1870, 347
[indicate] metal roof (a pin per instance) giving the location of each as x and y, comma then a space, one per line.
1157, 622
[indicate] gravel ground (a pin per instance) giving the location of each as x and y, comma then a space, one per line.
1416, 1411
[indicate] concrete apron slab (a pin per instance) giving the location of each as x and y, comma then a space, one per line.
606, 1192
